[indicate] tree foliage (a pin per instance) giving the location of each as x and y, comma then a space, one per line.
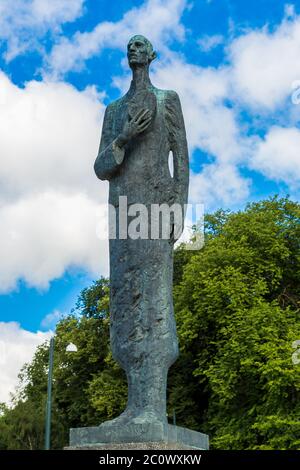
238, 313
237, 304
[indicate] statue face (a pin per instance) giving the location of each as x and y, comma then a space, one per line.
137, 52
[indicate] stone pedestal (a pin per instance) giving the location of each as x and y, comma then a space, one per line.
137, 436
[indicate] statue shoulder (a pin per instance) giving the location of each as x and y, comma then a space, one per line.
113, 106
168, 96
172, 96
171, 100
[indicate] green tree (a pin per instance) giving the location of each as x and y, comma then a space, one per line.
75, 375
237, 311
237, 307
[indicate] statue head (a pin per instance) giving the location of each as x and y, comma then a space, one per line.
140, 51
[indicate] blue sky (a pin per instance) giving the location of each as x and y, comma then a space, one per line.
234, 65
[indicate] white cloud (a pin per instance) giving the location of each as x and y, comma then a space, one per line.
217, 185
49, 137
49, 133
50, 199
289, 11
210, 124
17, 346
212, 127
207, 43
24, 22
277, 156
44, 234
255, 77
158, 20
265, 64
50, 320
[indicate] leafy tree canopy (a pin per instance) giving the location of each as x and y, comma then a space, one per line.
237, 304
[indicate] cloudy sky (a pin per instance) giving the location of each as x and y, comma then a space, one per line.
236, 68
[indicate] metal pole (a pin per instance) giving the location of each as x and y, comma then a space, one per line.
174, 417
49, 397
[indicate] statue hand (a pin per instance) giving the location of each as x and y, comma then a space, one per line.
138, 124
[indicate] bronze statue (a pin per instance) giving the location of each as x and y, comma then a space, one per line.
139, 131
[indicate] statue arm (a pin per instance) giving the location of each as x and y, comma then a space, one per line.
178, 146
110, 155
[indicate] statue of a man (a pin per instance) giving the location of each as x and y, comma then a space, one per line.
139, 131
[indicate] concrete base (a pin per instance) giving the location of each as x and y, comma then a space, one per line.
137, 436
134, 446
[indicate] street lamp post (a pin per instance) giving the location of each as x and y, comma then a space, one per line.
70, 348
49, 396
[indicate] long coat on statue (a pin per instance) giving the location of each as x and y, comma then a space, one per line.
143, 329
